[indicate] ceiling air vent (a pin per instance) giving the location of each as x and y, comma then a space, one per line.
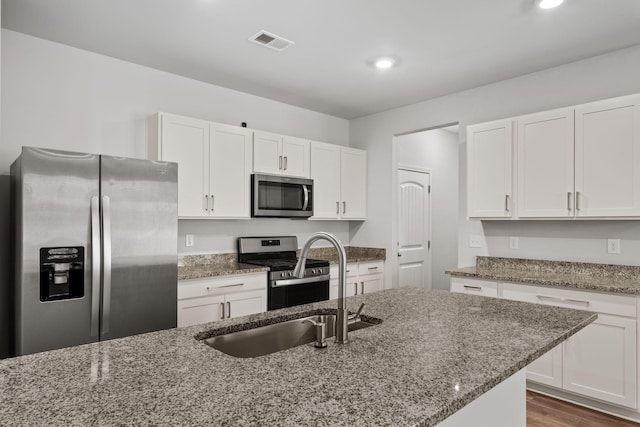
270, 40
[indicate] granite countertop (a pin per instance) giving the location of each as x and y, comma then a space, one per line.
619, 279
212, 265
434, 353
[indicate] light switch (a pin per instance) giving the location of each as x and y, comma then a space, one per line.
514, 242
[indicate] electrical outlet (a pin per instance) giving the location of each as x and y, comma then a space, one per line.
613, 246
514, 242
188, 240
475, 241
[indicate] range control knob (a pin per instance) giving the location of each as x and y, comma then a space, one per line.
313, 271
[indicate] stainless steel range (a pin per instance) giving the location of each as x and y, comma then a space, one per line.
279, 254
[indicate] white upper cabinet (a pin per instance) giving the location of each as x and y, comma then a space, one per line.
608, 158
280, 155
214, 164
353, 185
325, 167
545, 165
339, 182
230, 172
489, 168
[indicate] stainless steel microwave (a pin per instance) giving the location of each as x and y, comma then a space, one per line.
281, 196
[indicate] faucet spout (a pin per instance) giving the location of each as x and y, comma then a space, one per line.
342, 314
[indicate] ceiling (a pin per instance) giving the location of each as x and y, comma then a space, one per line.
441, 47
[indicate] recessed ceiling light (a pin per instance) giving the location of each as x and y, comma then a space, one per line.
384, 63
548, 4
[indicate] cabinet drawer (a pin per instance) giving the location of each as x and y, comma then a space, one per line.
352, 270
374, 267
619, 305
194, 288
474, 287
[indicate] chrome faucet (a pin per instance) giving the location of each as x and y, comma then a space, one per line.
342, 317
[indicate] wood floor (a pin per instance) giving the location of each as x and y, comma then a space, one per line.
544, 411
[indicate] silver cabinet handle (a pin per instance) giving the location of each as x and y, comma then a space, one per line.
355, 285
577, 200
212, 202
569, 201
285, 162
361, 288
95, 265
222, 310
506, 202
279, 162
206, 202
228, 310
106, 264
337, 207
373, 268
564, 300
472, 288
344, 207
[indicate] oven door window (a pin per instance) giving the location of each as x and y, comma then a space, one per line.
289, 296
282, 196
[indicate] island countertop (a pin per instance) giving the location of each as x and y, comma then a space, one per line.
434, 353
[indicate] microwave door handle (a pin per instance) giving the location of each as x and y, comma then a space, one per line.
305, 190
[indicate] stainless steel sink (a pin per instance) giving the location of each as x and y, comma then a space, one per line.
280, 336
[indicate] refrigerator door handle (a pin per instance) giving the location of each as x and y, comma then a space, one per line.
106, 260
95, 266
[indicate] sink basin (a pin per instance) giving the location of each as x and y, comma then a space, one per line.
280, 336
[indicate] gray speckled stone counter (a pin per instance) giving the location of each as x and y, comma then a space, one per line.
354, 254
399, 373
212, 265
620, 279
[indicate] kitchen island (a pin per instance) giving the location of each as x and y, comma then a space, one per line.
435, 353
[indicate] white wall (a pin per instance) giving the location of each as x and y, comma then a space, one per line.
437, 151
61, 97
601, 77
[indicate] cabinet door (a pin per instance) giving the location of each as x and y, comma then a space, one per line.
267, 153
608, 158
353, 173
489, 169
195, 311
370, 283
600, 360
547, 369
295, 156
230, 159
186, 142
545, 165
325, 172
245, 303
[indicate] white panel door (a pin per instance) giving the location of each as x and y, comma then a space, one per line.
295, 156
185, 141
600, 360
267, 153
325, 164
608, 158
230, 159
545, 165
245, 303
489, 169
414, 266
195, 311
353, 173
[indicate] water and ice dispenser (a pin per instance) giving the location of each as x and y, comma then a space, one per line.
61, 273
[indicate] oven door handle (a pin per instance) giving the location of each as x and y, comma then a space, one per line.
305, 190
288, 282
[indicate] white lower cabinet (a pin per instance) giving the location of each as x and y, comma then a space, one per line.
362, 278
226, 297
600, 360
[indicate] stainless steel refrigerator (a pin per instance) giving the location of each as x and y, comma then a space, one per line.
95, 247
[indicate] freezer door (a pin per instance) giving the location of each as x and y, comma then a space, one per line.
139, 203
52, 229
